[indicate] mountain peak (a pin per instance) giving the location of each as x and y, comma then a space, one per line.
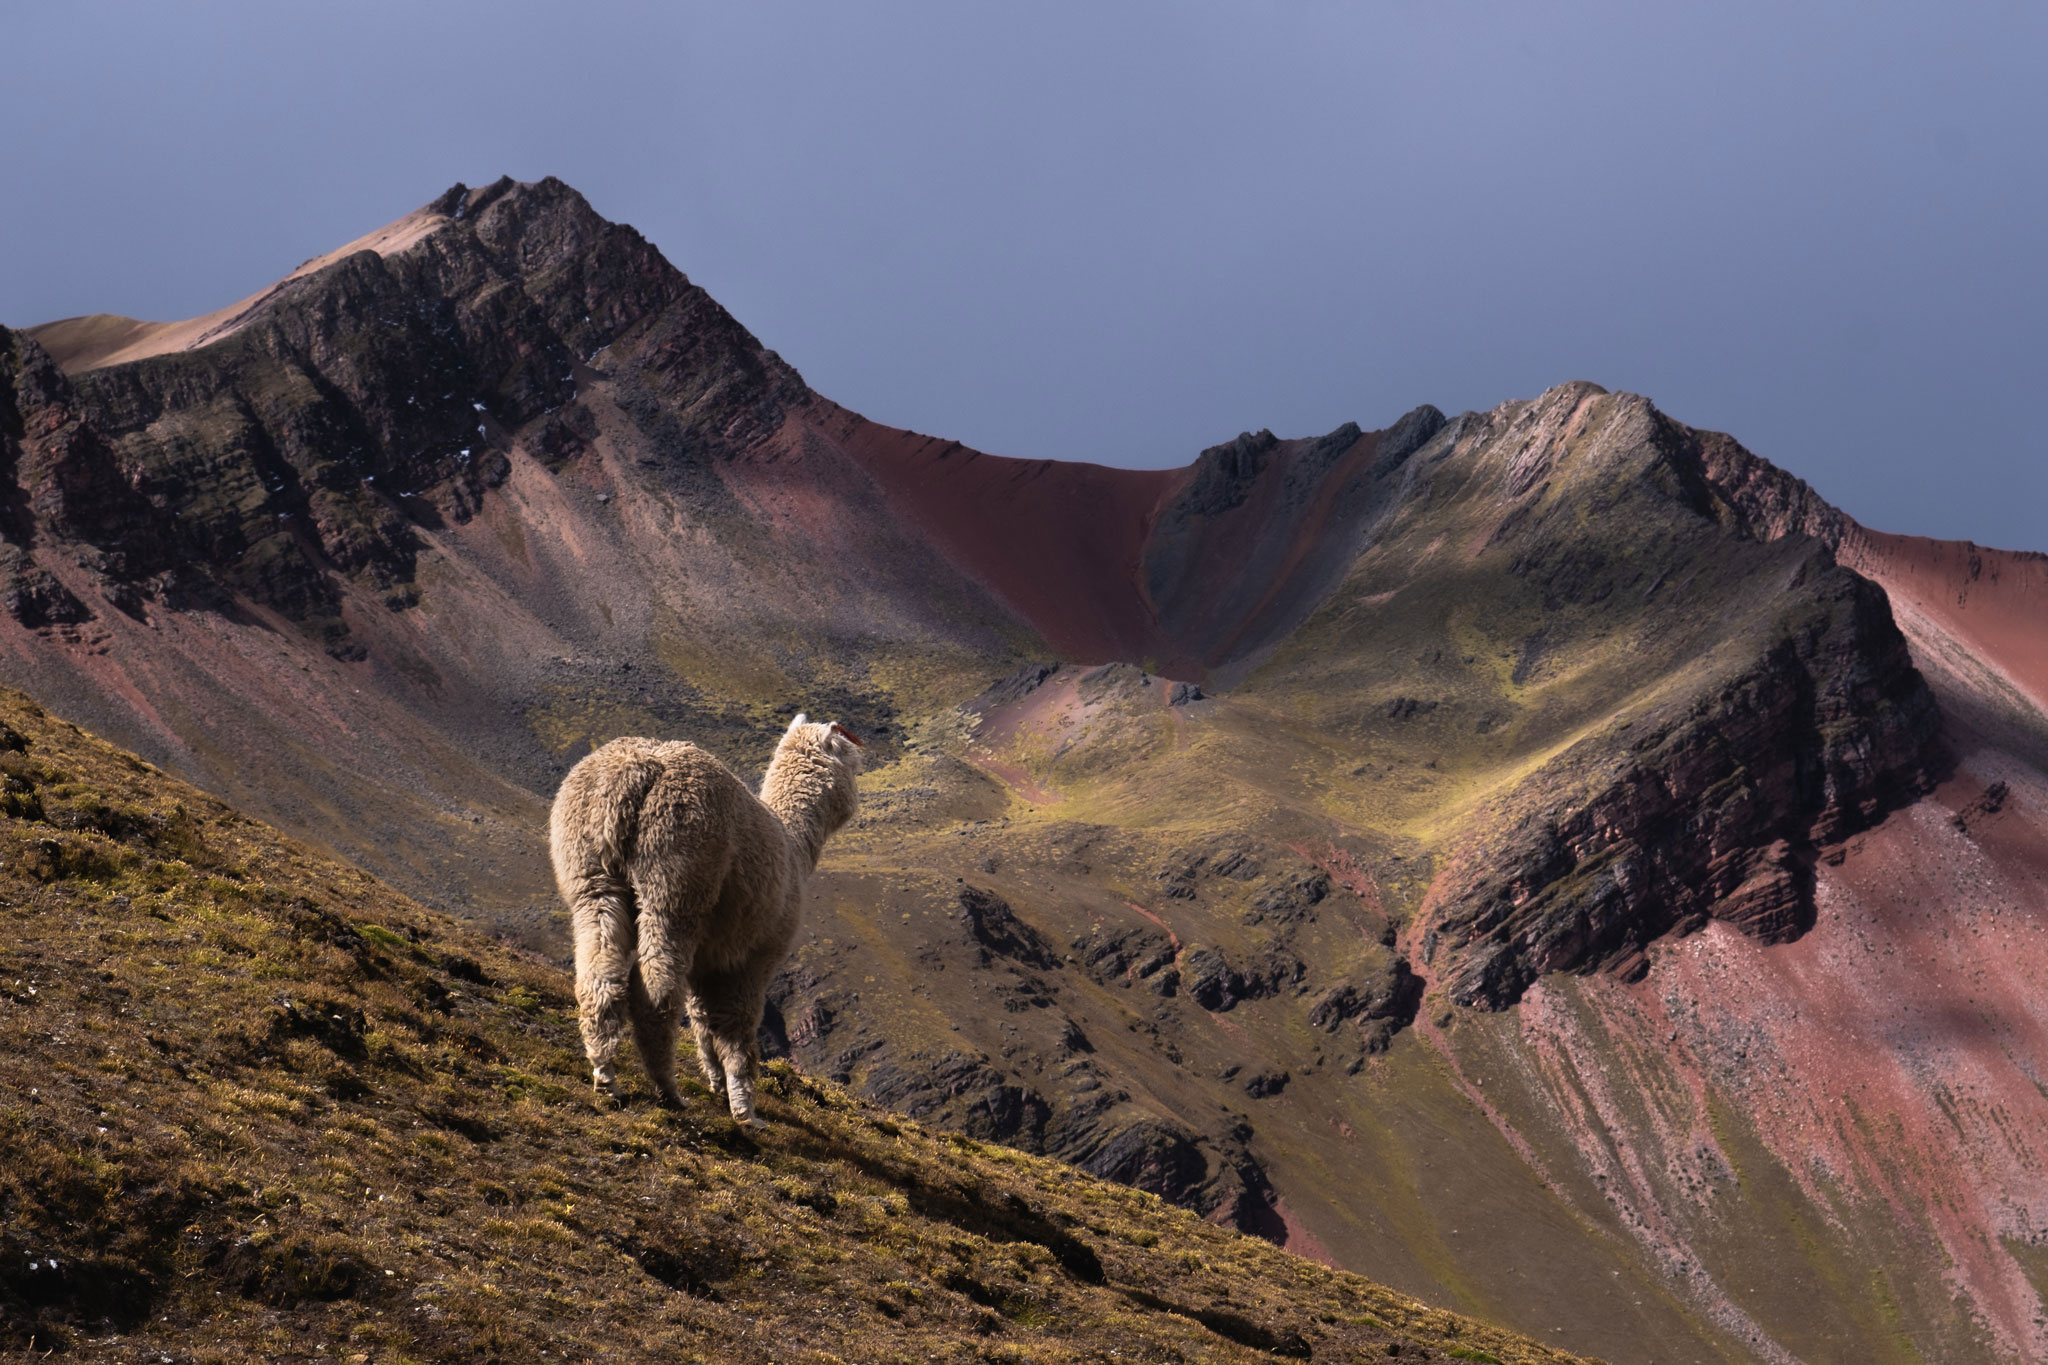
459, 201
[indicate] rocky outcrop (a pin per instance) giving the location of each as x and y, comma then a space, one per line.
1184, 876
65, 491
1411, 433
1017, 686
1379, 998
1132, 953
997, 932
1262, 530
1210, 980
1291, 901
1154, 1154
1222, 478
968, 1093
1770, 502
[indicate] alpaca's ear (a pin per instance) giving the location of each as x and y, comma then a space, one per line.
800, 721
839, 729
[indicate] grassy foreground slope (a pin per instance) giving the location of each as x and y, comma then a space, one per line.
255, 1105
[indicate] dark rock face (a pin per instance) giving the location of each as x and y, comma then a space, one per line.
1223, 476
974, 1097
1153, 1154
1017, 686
65, 491
1292, 901
34, 598
1182, 878
1210, 981
1266, 1084
1413, 431
1772, 503
1379, 1003
998, 931
1132, 953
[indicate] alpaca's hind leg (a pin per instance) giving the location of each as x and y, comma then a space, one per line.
731, 1009
707, 1045
654, 1029
672, 889
601, 920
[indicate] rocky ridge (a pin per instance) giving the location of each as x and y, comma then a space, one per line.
1711, 802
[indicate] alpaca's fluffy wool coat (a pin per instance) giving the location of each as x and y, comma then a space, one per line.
684, 891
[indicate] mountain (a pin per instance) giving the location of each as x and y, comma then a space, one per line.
258, 1106
1534, 856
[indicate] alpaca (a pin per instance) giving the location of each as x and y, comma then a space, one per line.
684, 891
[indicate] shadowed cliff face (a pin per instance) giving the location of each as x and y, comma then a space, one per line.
66, 484
1307, 763
1687, 709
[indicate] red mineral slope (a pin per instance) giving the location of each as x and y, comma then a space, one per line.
1194, 572
1888, 1061
1874, 1091
1058, 541
1994, 603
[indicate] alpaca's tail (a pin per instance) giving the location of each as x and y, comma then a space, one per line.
591, 833
660, 969
592, 830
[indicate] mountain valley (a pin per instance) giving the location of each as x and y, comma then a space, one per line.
1547, 860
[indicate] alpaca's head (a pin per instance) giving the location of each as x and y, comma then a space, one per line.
811, 781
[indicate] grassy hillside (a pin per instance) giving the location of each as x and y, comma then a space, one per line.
255, 1105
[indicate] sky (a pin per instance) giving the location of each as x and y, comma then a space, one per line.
1122, 232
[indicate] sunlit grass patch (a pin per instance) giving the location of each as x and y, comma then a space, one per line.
289, 1114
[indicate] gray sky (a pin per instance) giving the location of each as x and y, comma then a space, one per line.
1123, 231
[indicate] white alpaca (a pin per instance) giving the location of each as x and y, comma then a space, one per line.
684, 891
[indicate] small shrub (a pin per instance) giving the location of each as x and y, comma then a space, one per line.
287, 1270
382, 937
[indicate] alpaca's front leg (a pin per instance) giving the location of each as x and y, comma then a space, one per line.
737, 1022
603, 929
739, 1089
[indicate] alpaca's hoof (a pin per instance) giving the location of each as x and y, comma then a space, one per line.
671, 1098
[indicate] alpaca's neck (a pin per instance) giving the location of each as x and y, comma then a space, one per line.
801, 791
